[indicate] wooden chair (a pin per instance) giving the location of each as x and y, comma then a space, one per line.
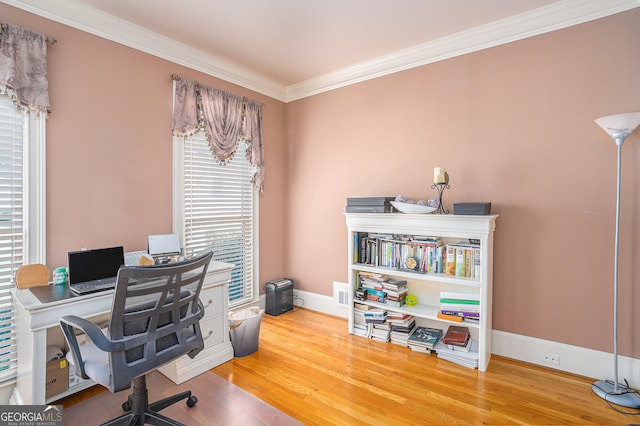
32, 275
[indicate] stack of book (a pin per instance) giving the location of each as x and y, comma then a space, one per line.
369, 205
457, 346
401, 327
467, 359
424, 339
465, 305
371, 280
373, 284
360, 326
396, 291
381, 332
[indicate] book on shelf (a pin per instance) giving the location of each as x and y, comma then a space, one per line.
459, 302
449, 317
398, 317
404, 328
467, 359
396, 303
468, 261
371, 285
451, 260
425, 336
416, 348
427, 239
469, 302
374, 298
360, 294
371, 278
394, 284
380, 332
463, 314
362, 330
369, 209
460, 262
361, 306
370, 201
459, 307
397, 294
456, 335
459, 295
376, 313
399, 338
465, 348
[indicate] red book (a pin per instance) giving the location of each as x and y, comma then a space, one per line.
456, 335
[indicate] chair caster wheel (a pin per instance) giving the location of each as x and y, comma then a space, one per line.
126, 406
191, 401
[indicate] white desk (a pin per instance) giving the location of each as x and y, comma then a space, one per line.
38, 326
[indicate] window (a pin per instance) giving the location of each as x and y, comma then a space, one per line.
22, 212
215, 208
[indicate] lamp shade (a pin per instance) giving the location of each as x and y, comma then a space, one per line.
619, 126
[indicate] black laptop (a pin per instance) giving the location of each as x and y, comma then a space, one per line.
94, 270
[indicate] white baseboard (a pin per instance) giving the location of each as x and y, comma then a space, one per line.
319, 302
572, 359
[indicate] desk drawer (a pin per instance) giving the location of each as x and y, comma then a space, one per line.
212, 300
213, 329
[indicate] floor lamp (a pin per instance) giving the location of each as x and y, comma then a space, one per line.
617, 126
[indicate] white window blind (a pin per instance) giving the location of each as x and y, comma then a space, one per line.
218, 204
12, 229
22, 212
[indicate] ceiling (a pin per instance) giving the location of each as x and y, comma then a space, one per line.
293, 48
289, 41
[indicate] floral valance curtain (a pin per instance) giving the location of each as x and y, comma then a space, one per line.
225, 118
23, 68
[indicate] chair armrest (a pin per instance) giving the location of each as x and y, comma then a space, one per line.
200, 315
94, 333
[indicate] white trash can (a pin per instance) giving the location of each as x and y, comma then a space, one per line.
244, 328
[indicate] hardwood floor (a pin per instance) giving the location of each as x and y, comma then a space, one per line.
310, 368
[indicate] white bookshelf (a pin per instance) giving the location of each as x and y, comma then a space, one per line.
427, 286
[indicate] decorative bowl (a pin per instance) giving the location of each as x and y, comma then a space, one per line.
412, 208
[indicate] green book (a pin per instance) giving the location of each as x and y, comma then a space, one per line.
460, 301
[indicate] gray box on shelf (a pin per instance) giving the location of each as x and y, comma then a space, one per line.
480, 208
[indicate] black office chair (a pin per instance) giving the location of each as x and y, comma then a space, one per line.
155, 319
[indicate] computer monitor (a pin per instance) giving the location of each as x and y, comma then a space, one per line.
94, 264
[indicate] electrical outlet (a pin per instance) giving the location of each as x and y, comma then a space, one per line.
550, 358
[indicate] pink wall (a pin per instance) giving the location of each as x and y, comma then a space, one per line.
109, 146
512, 125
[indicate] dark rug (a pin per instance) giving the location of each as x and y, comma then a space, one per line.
219, 403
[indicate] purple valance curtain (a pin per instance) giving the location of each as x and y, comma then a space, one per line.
225, 118
23, 68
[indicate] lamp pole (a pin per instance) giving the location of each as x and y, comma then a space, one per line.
619, 127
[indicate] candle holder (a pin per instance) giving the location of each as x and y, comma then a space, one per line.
440, 187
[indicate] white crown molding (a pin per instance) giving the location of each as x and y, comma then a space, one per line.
546, 19
80, 16
556, 16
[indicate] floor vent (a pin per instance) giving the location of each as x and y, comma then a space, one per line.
341, 293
